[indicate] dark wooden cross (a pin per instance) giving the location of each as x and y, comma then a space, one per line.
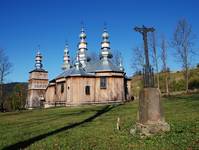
148, 73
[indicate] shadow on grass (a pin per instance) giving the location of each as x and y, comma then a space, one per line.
28, 142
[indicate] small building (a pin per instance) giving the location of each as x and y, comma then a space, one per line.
87, 81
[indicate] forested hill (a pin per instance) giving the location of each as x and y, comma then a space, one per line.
8, 88
14, 96
176, 81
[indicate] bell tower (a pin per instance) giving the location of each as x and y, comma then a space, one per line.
37, 84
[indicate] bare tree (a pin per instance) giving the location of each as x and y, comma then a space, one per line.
5, 68
164, 62
72, 61
93, 56
183, 40
153, 45
117, 57
138, 59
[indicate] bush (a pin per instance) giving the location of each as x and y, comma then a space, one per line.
194, 83
16, 99
177, 85
7, 105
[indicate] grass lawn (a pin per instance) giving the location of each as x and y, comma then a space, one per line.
94, 127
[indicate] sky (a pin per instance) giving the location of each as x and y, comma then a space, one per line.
25, 24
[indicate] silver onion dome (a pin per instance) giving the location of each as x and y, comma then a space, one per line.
105, 35
38, 61
82, 34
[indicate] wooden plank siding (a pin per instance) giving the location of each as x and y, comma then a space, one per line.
74, 89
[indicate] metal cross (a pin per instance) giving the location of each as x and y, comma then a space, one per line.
148, 71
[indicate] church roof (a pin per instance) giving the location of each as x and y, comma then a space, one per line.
84, 67
90, 69
74, 72
38, 70
102, 66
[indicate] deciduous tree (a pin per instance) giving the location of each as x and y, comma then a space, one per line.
164, 63
137, 59
117, 57
5, 68
153, 45
183, 40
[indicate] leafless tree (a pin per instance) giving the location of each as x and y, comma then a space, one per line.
117, 57
72, 61
183, 40
164, 62
5, 68
93, 56
153, 46
138, 59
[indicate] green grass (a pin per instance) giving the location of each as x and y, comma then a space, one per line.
94, 127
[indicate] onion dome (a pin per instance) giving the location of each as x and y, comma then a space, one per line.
82, 48
66, 65
105, 46
38, 61
82, 35
105, 35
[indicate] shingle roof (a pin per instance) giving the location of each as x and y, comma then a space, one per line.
90, 69
74, 72
38, 70
102, 66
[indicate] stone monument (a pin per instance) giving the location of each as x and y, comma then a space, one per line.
150, 114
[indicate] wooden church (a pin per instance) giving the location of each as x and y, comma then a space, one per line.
85, 82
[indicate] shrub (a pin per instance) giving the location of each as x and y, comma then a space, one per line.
177, 85
194, 83
16, 99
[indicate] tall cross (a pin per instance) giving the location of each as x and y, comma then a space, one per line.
148, 71
144, 30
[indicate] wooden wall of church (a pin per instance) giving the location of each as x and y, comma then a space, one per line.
50, 94
75, 89
113, 92
78, 92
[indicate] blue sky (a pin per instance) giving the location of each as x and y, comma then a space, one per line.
24, 24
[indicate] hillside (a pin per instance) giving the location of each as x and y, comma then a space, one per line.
94, 127
9, 87
176, 81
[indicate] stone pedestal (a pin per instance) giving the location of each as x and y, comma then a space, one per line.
150, 114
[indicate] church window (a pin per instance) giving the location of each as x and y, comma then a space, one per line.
62, 87
87, 90
103, 82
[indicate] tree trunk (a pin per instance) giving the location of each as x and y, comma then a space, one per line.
158, 79
166, 83
1, 97
187, 80
156, 60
